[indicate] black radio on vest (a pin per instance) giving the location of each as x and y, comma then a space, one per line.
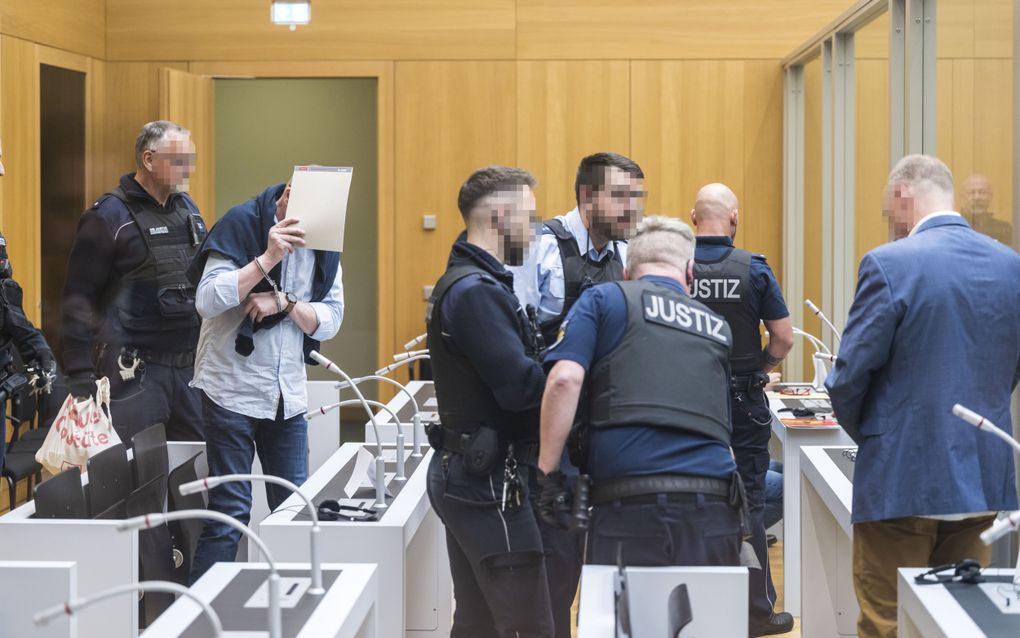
579, 273
157, 296
724, 285
670, 369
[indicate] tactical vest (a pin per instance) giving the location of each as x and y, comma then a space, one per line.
670, 369
724, 285
157, 296
579, 274
464, 401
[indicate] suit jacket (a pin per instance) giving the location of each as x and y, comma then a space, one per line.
935, 321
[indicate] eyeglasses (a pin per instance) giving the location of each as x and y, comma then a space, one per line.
797, 392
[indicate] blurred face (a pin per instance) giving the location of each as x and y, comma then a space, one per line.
171, 162
516, 219
898, 208
615, 208
977, 195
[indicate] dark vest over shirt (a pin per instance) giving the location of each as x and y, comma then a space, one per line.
670, 369
156, 297
579, 273
464, 401
724, 286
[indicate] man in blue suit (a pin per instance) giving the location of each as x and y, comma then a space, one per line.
935, 321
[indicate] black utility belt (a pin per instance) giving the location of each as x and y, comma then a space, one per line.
464, 442
184, 359
744, 380
637, 486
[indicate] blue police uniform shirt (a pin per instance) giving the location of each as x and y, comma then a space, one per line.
767, 300
594, 327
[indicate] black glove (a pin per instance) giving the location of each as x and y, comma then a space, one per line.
46, 368
82, 386
553, 498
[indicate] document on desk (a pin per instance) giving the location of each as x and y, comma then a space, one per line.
318, 197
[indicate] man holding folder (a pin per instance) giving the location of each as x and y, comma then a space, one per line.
266, 301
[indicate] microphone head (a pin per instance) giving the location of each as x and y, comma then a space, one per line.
811, 306
314, 354
200, 485
139, 522
967, 415
46, 615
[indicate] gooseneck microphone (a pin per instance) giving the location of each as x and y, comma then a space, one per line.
416, 417
206, 484
821, 315
149, 520
72, 607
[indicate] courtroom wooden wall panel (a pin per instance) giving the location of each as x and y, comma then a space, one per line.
187, 99
566, 110
19, 131
687, 129
872, 167
72, 25
339, 29
667, 29
761, 209
451, 118
812, 202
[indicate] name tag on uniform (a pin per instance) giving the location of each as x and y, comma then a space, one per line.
716, 289
159, 230
672, 314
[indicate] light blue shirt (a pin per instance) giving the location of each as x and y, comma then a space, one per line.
253, 385
539, 281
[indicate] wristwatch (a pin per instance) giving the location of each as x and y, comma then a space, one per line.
291, 302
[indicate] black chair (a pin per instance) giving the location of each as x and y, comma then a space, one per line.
61, 496
150, 455
184, 534
678, 610
23, 411
18, 466
155, 548
116, 512
109, 478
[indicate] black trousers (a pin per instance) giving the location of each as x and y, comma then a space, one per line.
564, 557
496, 554
157, 394
752, 429
660, 530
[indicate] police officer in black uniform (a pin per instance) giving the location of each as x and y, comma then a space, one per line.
657, 427
128, 309
575, 251
488, 386
18, 332
741, 287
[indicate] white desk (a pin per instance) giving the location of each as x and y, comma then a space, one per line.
931, 611
792, 439
829, 605
104, 556
712, 591
408, 544
425, 394
348, 609
29, 586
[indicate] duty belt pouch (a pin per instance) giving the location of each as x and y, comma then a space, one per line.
481, 452
177, 301
738, 499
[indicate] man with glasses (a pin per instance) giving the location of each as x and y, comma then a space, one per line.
586, 246
128, 309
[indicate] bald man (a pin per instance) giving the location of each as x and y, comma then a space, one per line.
741, 287
977, 201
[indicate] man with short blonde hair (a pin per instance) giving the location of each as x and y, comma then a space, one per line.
933, 323
656, 426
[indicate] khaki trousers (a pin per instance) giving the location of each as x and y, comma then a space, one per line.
881, 547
